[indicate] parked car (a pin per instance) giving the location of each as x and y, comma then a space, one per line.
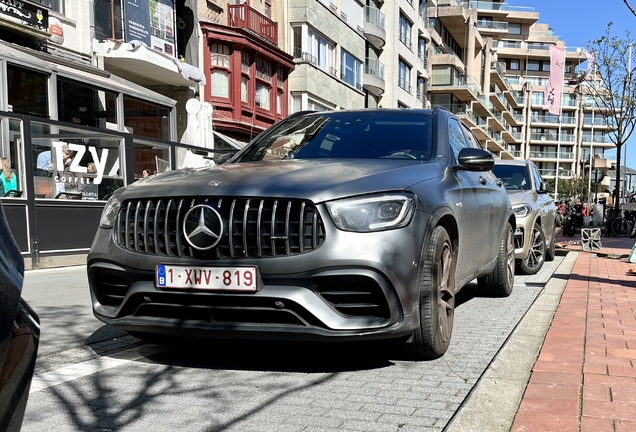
339, 225
535, 210
19, 334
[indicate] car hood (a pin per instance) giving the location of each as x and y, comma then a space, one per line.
520, 196
316, 180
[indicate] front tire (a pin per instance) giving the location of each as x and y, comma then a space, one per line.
437, 299
536, 252
550, 251
501, 280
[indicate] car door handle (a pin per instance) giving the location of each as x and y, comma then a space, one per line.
482, 180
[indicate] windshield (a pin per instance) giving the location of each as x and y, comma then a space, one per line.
397, 134
514, 177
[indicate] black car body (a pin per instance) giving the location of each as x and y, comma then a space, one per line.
337, 225
19, 334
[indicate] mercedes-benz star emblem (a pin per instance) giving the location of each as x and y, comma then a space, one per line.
215, 182
203, 227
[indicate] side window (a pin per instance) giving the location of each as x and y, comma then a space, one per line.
471, 138
536, 178
456, 138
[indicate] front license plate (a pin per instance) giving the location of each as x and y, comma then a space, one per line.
206, 278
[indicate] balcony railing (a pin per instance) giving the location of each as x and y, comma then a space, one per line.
553, 119
551, 172
374, 67
597, 122
516, 153
507, 44
245, 17
404, 85
596, 139
485, 5
406, 40
551, 155
519, 118
374, 16
491, 25
550, 137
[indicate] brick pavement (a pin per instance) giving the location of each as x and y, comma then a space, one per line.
585, 376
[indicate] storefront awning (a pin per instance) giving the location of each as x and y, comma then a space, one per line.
138, 63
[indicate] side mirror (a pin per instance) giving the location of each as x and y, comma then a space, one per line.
473, 159
224, 158
545, 187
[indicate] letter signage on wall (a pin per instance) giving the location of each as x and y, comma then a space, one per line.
29, 13
151, 22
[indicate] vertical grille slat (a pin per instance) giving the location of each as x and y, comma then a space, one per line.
177, 230
253, 227
259, 245
128, 225
301, 228
145, 233
273, 228
231, 228
287, 214
136, 228
246, 212
166, 230
155, 228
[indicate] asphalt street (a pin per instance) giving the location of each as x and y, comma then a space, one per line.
91, 377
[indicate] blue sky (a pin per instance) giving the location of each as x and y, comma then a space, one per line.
577, 22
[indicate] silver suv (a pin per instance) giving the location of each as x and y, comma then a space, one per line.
535, 211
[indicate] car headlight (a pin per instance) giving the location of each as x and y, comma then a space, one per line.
109, 214
521, 210
372, 212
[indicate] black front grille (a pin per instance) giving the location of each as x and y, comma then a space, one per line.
252, 227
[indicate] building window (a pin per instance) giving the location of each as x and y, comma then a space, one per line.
279, 102
405, 31
350, 70
262, 95
27, 91
404, 80
321, 52
245, 81
108, 20
533, 65
220, 56
514, 28
513, 64
245, 62
220, 84
268, 8
263, 70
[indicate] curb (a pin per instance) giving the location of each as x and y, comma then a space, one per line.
494, 401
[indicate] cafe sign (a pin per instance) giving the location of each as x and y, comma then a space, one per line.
26, 12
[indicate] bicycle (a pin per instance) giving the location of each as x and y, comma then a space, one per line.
623, 224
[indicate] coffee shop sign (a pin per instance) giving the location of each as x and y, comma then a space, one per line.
26, 12
76, 168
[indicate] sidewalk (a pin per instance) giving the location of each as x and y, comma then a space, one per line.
585, 376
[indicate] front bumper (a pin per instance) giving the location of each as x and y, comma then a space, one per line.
355, 286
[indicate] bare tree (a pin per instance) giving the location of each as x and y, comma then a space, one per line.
613, 89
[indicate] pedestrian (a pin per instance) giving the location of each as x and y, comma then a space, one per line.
8, 177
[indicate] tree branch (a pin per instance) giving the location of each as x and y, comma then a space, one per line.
629, 7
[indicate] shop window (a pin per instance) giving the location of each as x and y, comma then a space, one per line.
146, 119
151, 157
11, 180
75, 164
86, 105
27, 91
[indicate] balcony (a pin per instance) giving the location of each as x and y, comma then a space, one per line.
374, 76
243, 16
492, 27
549, 136
374, 27
551, 155
425, 24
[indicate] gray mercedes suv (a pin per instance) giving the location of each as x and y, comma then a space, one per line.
339, 225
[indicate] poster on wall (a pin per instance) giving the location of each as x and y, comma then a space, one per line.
151, 22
